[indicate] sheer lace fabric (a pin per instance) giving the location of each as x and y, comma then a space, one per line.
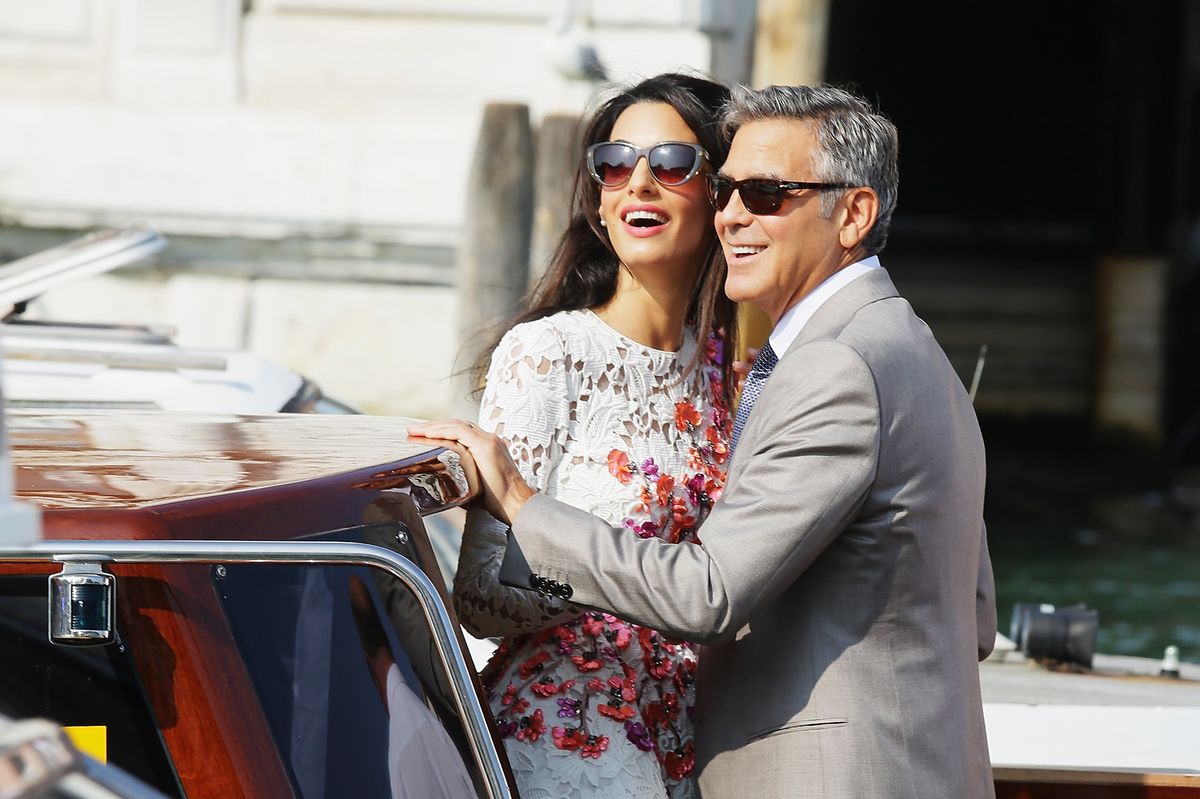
587, 704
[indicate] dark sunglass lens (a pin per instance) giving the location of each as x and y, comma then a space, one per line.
761, 196
719, 192
672, 164
613, 163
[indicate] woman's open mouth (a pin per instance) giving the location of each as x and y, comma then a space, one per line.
644, 221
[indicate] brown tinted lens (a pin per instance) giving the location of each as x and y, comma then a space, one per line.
613, 163
673, 164
760, 196
719, 191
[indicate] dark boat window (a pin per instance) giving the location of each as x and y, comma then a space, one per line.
349, 680
95, 686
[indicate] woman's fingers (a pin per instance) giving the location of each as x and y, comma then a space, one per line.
742, 368
452, 429
503, 488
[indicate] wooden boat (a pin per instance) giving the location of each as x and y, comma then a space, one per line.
234, 678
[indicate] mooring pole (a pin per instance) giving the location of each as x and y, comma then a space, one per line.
557, 159
493, 258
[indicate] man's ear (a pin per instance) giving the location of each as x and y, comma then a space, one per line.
861, 206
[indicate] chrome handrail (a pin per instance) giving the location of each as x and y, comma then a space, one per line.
329, 552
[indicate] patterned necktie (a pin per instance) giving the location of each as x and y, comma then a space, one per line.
759, 372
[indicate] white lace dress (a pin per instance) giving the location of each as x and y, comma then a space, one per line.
588, 705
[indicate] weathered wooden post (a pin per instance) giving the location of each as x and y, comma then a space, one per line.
790, 42
556, 162
493, 259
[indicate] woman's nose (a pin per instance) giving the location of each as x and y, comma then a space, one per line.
641, 180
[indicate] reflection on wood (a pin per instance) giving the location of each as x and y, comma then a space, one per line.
198, 688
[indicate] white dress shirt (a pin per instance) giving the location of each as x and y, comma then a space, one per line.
795, 318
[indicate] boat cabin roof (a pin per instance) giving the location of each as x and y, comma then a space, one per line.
122, 460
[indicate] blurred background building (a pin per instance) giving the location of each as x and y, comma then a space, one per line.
308, 159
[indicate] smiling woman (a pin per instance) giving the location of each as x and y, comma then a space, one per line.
611, 393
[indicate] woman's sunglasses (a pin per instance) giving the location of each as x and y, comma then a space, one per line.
761, 196
672, 163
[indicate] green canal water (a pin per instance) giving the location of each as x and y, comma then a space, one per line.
1075, 519
1148, 596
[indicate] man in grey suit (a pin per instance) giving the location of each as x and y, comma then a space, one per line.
843, 585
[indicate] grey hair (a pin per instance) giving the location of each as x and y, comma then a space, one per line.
858, 145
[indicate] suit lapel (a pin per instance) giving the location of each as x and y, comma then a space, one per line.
826, 323
839, 309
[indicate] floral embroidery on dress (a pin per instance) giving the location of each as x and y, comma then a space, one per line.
643, 444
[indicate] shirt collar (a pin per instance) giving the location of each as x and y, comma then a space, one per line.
795, 318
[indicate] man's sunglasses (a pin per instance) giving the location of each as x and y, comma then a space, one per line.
672, 163
761, 196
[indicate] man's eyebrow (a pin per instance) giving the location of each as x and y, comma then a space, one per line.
757, 176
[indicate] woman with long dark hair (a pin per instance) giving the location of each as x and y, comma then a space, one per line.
612, 393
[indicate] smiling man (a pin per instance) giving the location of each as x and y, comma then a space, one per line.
843, 583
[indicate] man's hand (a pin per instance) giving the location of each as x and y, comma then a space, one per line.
504, 490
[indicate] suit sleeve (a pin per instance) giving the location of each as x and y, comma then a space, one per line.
525, 403
985, 600
810, 453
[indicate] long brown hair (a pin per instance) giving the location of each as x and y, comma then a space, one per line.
583, 271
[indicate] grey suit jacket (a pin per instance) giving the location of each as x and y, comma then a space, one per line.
843, 586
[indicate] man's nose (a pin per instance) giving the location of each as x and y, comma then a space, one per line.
734, 214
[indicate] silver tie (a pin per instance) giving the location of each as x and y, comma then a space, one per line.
759, 372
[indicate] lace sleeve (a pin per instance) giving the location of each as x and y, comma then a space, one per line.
525, 403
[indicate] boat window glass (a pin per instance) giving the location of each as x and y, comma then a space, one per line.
349, 680
96, 687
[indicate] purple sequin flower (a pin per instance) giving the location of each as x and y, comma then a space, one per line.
716, 349
568, 708
637, 734
647, 529
650, 468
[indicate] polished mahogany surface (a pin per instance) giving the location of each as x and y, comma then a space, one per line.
122, 459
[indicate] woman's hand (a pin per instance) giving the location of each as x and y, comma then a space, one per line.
504, 491
742, 368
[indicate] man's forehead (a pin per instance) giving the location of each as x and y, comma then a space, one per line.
778, 148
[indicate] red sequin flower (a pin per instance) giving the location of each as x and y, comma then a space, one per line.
686, 416
680, 762
532, 727
620, 467
532, 666
594, 745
